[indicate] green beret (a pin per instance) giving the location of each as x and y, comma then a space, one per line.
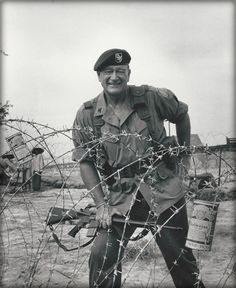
112, 57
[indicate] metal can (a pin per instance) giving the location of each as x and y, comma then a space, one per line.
202, 225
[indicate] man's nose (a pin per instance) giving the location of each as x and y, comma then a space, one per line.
114, 75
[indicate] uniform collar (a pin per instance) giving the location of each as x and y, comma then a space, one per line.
108, 115
101, 105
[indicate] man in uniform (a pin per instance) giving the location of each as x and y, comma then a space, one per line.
119, 136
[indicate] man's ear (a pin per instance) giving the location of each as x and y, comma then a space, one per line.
129, 72
98, 75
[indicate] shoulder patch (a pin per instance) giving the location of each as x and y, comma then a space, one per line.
164, 92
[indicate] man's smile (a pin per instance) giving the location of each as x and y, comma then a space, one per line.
114, 84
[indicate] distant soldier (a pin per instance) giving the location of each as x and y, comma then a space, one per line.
26, 175
37, 167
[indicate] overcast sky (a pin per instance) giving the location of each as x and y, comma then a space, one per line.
184, 46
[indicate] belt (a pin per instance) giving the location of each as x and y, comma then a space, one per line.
130, 171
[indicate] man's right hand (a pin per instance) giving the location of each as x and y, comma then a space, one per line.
103, 215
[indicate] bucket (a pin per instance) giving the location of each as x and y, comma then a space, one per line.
202, 225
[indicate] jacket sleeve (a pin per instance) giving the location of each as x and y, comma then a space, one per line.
168, 106
83, 136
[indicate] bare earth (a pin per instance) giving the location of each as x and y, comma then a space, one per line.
31, 258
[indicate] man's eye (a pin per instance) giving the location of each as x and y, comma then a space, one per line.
121, 71
107, 71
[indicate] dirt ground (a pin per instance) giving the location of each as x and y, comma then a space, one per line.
31, 258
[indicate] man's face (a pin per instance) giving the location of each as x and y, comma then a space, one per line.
114, 79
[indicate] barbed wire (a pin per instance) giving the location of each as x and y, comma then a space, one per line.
39, 246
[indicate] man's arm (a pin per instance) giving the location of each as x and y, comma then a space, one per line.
92, 182
183, 131
83, 142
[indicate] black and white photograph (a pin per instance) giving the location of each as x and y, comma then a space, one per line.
117, 144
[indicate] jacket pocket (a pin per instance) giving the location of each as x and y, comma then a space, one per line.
167, 181
110, 142
138, 139
163, 172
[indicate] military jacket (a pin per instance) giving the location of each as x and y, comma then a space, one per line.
125, 139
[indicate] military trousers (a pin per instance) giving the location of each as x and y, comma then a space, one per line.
107, 252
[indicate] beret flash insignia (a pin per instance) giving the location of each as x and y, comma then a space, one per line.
118, 57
